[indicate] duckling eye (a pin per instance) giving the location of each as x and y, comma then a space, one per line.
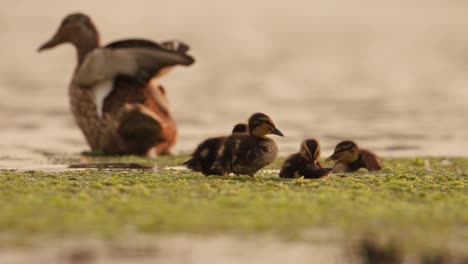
256, 123
268, 124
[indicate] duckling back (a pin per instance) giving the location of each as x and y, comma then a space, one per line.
369, 160
366, 159
296, 166
246, 154
205, 156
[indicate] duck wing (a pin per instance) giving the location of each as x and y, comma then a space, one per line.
140, 62
124, 90
127, 65
133, 43
172, 45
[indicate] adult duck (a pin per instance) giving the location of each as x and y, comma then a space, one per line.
115, 95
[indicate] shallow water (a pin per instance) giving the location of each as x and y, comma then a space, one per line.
177, 249
392, 75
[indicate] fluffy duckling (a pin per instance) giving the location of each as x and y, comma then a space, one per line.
240, 129
305, 163
349, 157
115, 95
248, 153
204, 156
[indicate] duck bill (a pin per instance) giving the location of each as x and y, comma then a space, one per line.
54, 41
332, 157
277, 132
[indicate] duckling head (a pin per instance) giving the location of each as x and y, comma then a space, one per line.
77, 29
310, 149
240, 129
261, 125
345, 152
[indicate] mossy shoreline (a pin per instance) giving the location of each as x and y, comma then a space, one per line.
422, 207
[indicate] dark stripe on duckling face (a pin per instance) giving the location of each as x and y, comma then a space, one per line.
346, 152
261, 125
344, 148
314, 147
345, 145
310, 149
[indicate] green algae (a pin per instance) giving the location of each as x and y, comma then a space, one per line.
421, 206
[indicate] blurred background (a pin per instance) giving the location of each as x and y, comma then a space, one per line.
392, 75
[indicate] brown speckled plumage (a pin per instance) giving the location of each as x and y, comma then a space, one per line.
206, 153
248, 153
135, 115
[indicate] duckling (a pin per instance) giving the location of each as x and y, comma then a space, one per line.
349, 157
248, 153
305, 163
240, 129
204, 156
115, 95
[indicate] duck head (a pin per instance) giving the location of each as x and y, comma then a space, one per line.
77, 29
310, 149
345, 152
261, 125
240, 129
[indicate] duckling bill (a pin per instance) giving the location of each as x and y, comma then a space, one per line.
204, 156
305, 163
248, 153
349, 157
